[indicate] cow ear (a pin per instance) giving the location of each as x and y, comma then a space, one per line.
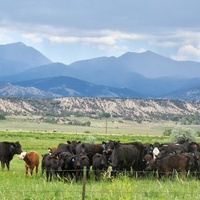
17, 144
116, 143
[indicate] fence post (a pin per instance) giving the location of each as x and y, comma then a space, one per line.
84, 182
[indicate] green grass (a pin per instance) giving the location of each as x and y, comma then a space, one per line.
15, 185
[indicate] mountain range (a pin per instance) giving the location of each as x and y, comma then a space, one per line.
25, 72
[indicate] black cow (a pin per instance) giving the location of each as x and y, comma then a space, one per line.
178, 148
127, 156
7, 151
67, 165
99, 165
89, 149
50, 164
63, 148
81, 161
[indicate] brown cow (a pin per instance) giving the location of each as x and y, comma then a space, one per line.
31, 159
167, 164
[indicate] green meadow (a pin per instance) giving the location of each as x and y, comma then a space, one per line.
14, 184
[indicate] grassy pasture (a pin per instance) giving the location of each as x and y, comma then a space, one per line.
15, 185
34, 136
100, 126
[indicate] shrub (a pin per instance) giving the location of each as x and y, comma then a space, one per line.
180, 134
2, 116
167, 132
91, 139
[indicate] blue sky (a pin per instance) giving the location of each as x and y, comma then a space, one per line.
66, 31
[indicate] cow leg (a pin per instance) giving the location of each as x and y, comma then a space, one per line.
8, 165
26, 168
97, 174
88, 174
36, 169
31, 170
2, 165
48, 175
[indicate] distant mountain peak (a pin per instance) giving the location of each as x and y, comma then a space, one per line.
17, 57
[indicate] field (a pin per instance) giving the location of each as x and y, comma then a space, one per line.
40, 136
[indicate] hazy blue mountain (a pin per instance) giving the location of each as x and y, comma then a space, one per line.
188, 94
10, 90
68, 86
112, 76
44, 71
146, 74
152, 65
17, 57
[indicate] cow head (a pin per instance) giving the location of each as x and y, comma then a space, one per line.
109, 146
22, 155
15, 148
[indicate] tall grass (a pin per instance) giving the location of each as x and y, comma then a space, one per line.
15, 185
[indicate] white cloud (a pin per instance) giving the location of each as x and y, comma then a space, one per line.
186, 52
34, 38
70, 39
106, 37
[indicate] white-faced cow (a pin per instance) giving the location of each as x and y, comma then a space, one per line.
7, 151
31, 160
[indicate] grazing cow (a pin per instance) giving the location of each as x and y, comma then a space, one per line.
81, 161
99, 165
50, 165
7, 151
31, 159
167, 164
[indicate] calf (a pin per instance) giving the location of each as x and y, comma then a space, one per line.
31, 159
81, 161
50, 165
66, 164
99, 165
167, 164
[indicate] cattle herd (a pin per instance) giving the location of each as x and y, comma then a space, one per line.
68, 160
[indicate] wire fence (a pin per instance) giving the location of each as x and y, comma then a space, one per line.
123, 187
